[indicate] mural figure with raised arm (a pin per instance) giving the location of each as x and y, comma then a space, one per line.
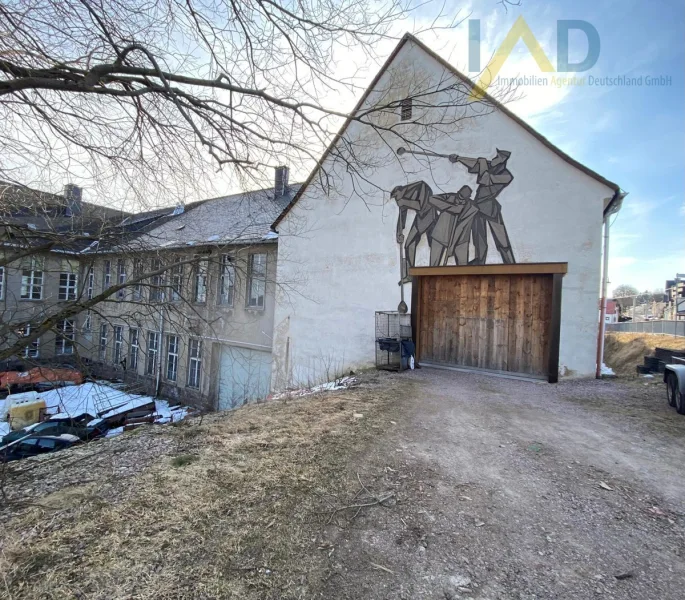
493, 177
453, 222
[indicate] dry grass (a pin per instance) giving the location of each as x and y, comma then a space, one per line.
237, 520
623, 351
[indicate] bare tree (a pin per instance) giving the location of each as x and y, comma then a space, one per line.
143, 101
141, 98
625, 291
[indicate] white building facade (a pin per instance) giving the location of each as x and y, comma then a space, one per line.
530, 217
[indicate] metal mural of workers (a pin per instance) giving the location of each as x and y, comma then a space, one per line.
493, 177
452, 221
452, 231
414, 197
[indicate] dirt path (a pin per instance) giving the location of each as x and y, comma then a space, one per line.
509, 489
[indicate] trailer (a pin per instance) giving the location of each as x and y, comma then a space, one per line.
674, 378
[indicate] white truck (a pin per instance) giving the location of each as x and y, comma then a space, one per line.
674, 378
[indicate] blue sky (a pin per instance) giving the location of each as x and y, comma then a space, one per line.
634, 136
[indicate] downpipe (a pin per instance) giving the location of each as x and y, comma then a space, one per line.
603, 300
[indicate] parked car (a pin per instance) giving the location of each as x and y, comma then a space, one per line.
78, 425
35, 445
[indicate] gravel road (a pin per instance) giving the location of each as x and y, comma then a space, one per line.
513, 489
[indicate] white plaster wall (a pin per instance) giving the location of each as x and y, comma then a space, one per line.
339, 261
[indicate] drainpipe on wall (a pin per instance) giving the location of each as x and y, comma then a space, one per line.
160, 346
612, 208
603, 300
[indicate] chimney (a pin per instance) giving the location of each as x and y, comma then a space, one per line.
72, 195
281, 182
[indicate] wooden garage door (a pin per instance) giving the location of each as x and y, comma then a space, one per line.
499, 322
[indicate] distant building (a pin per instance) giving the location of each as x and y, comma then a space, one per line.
611, 313
675, 295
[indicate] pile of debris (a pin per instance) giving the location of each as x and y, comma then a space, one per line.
658, 362
38, 423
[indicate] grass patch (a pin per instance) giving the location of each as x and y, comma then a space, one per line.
241, 524
624, 351
184, 460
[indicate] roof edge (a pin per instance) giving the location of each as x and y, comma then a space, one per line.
409, 37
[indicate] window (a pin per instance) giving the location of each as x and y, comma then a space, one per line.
152, 351
176, 280
156, 291
194, 363
67, 286
133, 344
64, 342
88, 321
200, 292
171, 357
121, 278
138, 269
32, 281
89, 284
106, 274
406, 109
102, 348
2, 282
118, 343
32, 350
256, 277
226, 281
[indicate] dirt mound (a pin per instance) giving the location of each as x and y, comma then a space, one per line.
623, 351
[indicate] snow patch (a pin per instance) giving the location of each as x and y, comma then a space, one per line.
337, 384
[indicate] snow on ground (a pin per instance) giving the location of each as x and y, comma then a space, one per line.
338, 384
607, 370
100, 399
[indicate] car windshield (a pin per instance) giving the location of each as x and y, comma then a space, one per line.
43, 427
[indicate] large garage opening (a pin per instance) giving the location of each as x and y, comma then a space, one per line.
499, 318
244, 376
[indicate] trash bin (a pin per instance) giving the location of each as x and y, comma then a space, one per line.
407, 356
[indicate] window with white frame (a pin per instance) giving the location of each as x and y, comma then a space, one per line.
64, 341
67, 286
156, 281
200, 291
194, 362
118, 343
32, 281
2, 283
171, 357
88, 321
121, 278
226, 281
176, 283
102, 346
152, 352
133, 345
90, 281
106, 274
256, 280
138, 269
32, 350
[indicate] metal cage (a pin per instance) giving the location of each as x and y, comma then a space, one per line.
392, 328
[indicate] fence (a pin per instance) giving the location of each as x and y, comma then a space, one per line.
676, 328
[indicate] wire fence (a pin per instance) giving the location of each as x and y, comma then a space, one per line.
675, 328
